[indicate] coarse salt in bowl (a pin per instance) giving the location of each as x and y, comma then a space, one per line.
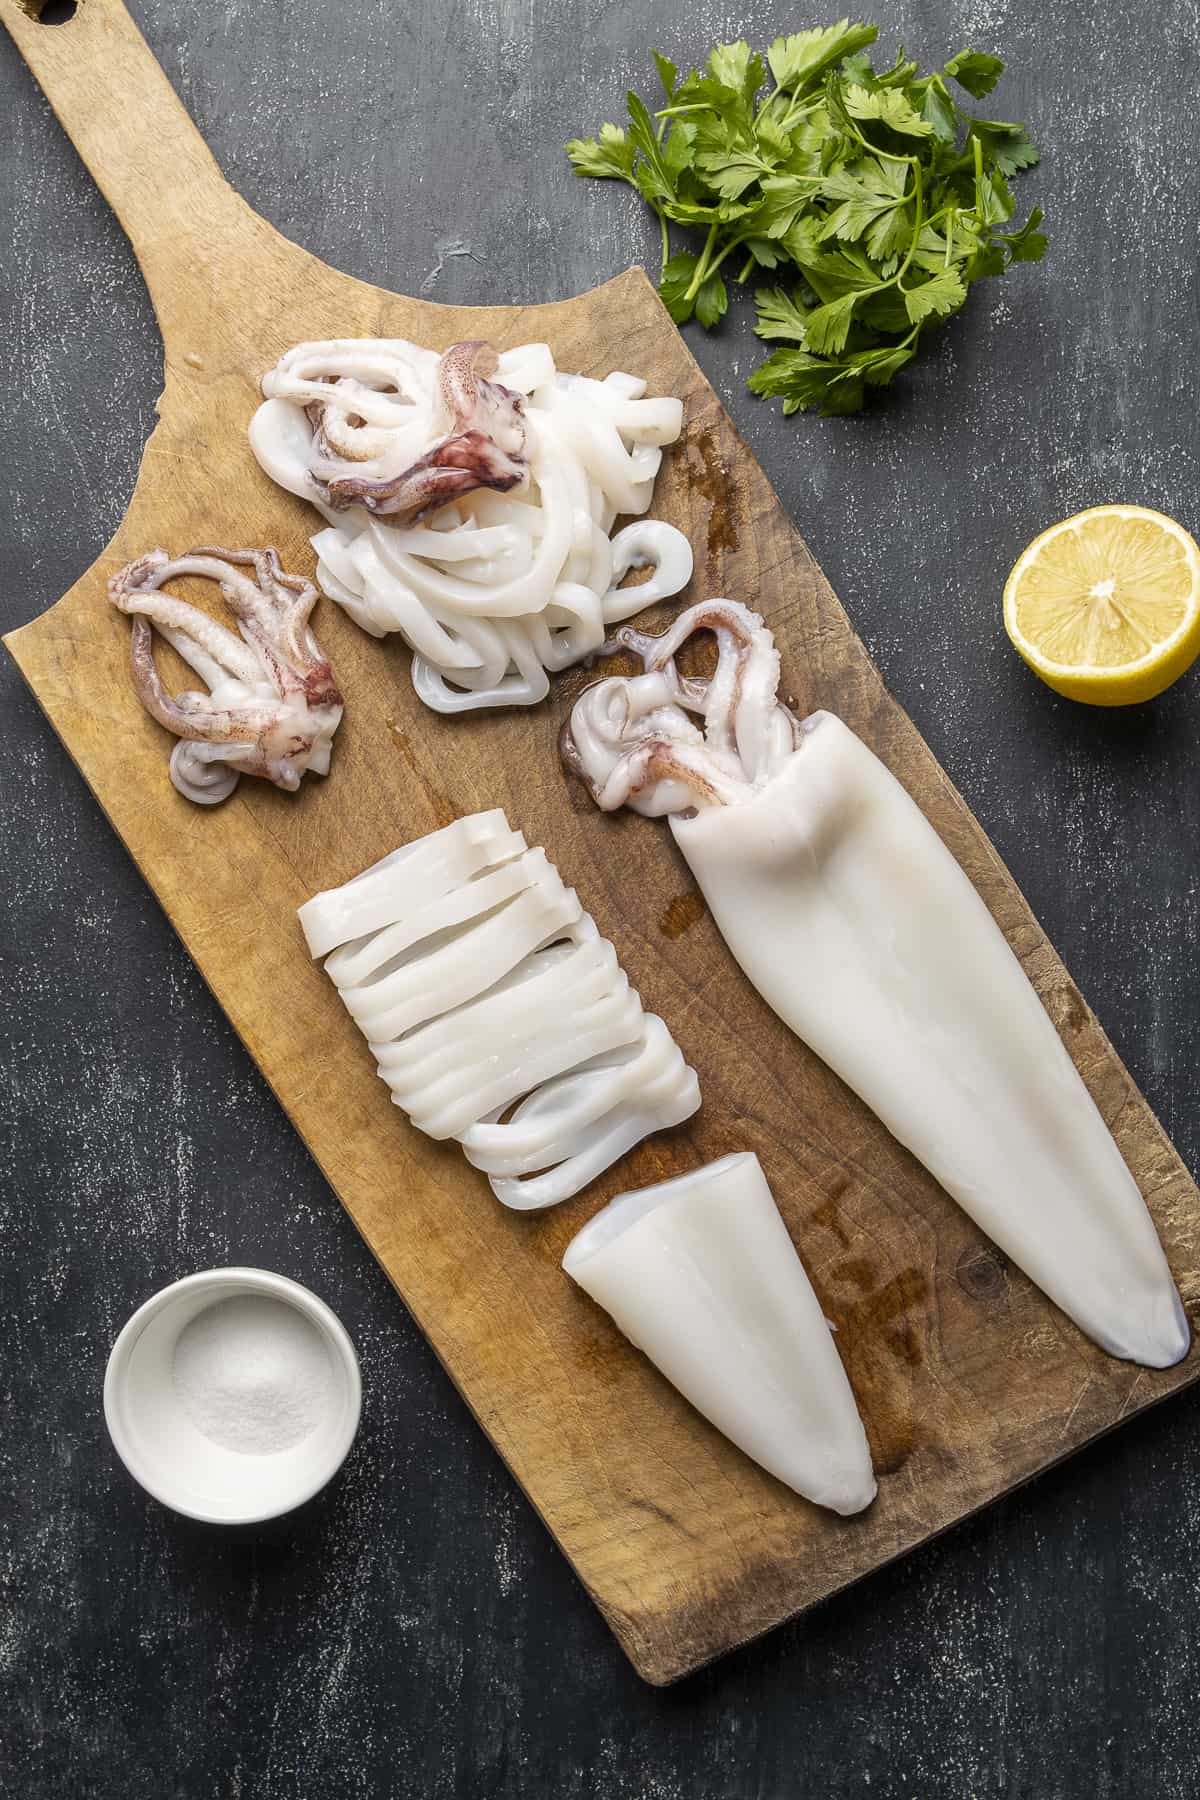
233, 1395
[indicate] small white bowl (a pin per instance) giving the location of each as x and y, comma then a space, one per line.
157, 1441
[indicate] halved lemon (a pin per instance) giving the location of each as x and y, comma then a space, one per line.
1105, 607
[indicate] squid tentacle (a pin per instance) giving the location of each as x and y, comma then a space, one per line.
211, 724
291, 599
273, 705
234, 657
737, 701
656, 649
647, 763
258, 599
484, 448
632, 740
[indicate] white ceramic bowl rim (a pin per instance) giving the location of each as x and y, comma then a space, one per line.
228, 1283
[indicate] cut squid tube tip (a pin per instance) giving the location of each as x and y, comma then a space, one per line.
700, 1274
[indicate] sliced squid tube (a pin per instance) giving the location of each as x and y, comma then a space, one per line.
647, 543
571, 1129
853, 920
512, 1060
363, 960
525, 683
543, 1127
510, 1012
600, 1145
461, 1098
496, 1012
472, 961
700, 1273
527, 367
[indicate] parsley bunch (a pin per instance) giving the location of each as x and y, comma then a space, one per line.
875, 197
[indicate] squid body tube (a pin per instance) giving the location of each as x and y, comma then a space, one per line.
859, 928
700, 1273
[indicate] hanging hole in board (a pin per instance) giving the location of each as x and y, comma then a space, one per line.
49, 12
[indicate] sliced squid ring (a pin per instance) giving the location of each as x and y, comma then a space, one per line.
470, 500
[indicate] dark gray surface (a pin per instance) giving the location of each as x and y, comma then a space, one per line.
415, 1633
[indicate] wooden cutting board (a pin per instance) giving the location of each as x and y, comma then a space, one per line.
969, 1381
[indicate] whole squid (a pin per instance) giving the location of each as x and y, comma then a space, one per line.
855, 923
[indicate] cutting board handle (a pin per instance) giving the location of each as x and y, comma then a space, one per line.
184, 220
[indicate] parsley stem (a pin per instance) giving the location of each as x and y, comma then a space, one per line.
773, 95
866, 143
918, 228
666, 245
703, 271
977, 147
708, 264
747, 266
730, 247
796, 110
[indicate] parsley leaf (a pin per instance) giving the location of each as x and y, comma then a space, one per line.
1006, 146
712, 299
678, 148
889, 105
1028, 244
877, 367
975, 71
939, 110
610, 156
936, 298
868, 198
779, 316
764, 252
674, 283
657, 177
668, 74
736, 67
801, 380
730, 173
797, 61
866, 192
827, 327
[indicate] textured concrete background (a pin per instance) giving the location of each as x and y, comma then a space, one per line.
415, 1634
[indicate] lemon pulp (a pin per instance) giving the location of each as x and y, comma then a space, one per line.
1105, 606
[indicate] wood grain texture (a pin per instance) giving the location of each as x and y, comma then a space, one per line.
968, 1380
